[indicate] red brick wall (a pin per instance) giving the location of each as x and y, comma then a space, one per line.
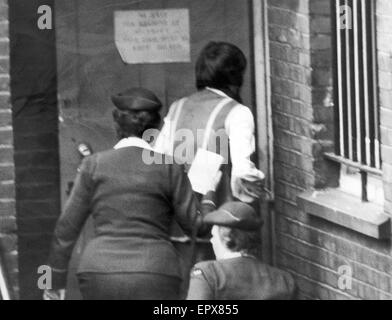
301, 64
8, 238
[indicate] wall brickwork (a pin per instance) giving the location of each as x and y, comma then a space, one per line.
8, 226
301, 75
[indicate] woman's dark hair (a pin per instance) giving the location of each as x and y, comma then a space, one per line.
221, 65
135, 123
237, 240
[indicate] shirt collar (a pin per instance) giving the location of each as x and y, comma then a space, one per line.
218, 92
132, 142
231, 255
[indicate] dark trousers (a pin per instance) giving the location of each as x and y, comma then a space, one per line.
129, 286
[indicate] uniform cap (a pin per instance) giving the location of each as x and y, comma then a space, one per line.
237, 215
136, 99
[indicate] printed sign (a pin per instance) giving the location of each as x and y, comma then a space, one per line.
153, 36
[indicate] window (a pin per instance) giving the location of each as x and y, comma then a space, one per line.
357, 134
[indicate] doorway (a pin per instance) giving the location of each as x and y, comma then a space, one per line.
91, 69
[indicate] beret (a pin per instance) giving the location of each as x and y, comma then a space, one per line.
238, 215
136, 99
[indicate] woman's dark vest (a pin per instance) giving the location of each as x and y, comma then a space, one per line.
193, 117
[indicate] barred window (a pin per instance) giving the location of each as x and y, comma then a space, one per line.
357, 133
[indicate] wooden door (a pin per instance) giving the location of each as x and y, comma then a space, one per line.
90, 68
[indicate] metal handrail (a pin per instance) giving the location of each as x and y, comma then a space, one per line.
350, 163
364, 170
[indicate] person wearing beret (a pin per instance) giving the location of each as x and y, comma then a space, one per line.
237, 274
132, 205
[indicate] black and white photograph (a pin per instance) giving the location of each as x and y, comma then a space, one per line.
192, 151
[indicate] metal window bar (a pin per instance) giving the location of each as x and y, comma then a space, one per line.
337, 78
350, 96
376, 109
357, 42
355, 85
366, 85
343, 106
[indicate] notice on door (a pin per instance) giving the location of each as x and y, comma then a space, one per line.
153, 36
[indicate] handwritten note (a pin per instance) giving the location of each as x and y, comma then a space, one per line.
153, 36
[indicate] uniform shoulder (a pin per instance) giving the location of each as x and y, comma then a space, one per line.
285, 277
103, 155
240, 110
203, 268
277, 271
88, 163
153, 156
205, 264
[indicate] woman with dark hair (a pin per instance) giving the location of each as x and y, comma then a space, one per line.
221, 66
226, 126
237, 274
133, 205
220, 70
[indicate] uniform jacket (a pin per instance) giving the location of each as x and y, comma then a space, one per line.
133, 205
242, 278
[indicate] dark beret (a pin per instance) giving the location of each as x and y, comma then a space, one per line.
136, 99
236, 215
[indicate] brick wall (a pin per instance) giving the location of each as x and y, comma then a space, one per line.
8, 238
301, 63
34, 100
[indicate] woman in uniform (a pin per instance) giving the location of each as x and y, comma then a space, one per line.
237, 274
133, 205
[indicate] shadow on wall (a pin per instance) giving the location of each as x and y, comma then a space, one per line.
34, 101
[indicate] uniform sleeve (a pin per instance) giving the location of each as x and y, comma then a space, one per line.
70, 223
240, 128
187, 209
199, 287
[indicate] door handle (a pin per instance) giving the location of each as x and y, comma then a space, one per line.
84, 151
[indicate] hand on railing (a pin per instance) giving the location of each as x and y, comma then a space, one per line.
255, 189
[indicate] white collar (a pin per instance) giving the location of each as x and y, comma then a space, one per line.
218, 92
230, 255
132, 142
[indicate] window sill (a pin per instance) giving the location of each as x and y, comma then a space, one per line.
348, 211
